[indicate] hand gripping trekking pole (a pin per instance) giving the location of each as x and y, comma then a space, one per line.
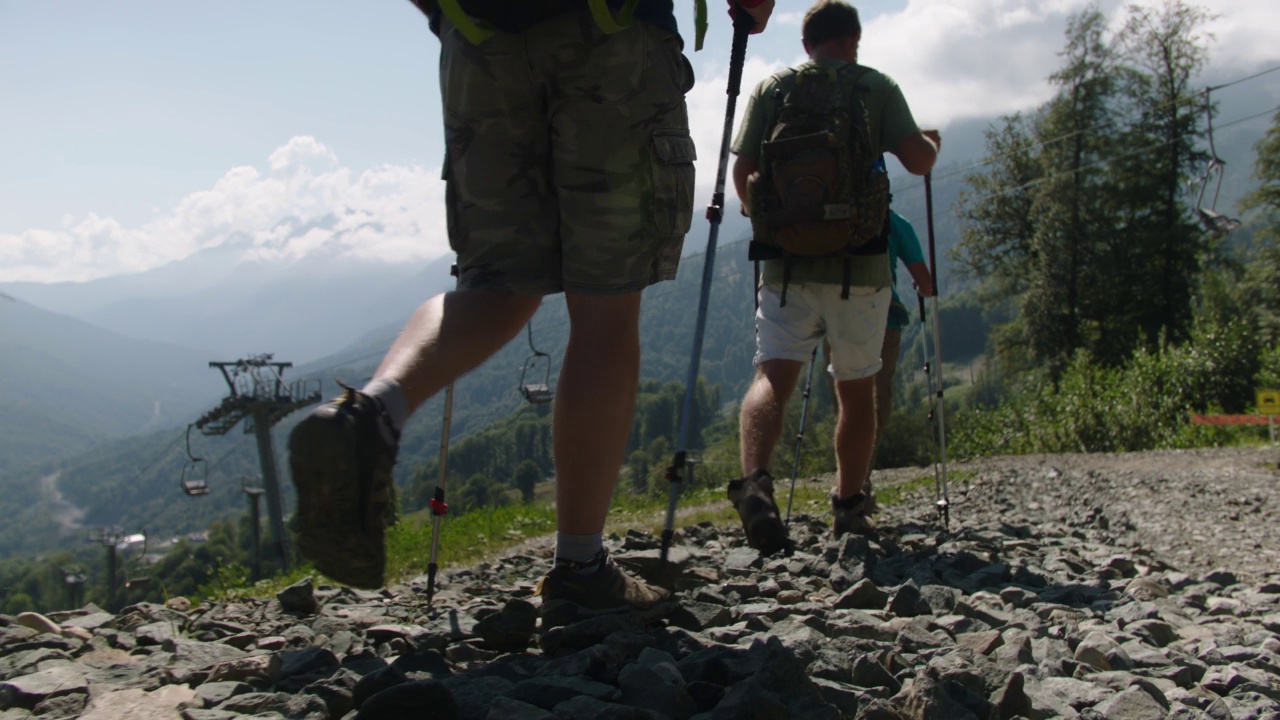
438, 506
804, 412
944, 502
742, 24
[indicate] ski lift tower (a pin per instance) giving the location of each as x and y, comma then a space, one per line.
109, 537
260, 397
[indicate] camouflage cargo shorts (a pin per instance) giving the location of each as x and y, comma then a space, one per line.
569, 165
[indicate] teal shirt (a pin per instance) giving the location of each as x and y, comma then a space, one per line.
889, 121
904, 245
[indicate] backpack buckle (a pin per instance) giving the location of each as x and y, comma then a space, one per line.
837, 212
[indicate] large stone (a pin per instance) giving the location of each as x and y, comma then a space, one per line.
134, 704
548, 692
505, 708
256, 670
643, 687
27, 691
425, 699
510, 629
864, 595
37, 622
299, 598
1132, 704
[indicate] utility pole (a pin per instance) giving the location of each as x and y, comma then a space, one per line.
109, 537
253, 490
260, 397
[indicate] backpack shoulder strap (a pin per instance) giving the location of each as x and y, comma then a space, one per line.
470, 29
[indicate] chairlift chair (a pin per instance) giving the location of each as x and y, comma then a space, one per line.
536, 393
1213, 221
195, 472
251, 485
133, 578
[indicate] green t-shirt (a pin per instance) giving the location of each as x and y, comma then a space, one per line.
889, 121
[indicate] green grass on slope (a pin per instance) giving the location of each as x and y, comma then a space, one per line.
482, 534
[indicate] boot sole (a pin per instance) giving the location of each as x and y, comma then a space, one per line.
324, 469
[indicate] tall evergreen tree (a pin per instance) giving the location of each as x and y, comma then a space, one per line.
1075, 134
1260, 290
1164, 47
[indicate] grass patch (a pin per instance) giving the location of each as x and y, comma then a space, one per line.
484, 533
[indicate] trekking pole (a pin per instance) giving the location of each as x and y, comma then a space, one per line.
438, 506
742, 24
944, 502
804, 412
931, 424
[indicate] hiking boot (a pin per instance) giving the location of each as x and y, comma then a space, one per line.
868, 489
340, 461
568, 594
752, 497
851, 515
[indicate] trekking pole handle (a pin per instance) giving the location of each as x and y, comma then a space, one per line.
743, 24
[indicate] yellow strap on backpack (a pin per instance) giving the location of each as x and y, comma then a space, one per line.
605, 19
609, 24
699, 23
468, 27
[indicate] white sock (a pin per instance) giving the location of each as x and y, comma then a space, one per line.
394, 403
579, 550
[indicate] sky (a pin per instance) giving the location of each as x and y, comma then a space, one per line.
137, 132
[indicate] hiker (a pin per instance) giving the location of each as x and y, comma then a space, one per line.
904, 245
569, 168
825, 273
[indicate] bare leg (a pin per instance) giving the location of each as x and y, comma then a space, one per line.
763, 409
855, 433
884, 378
451, 334
595, 403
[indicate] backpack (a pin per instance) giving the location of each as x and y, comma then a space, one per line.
822, 189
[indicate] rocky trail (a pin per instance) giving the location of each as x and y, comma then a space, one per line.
1122, 587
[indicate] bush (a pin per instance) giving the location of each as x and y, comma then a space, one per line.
1142, 405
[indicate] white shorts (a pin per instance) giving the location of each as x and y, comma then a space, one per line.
854, 327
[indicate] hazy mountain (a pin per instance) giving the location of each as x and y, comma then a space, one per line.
68, 384
227, 306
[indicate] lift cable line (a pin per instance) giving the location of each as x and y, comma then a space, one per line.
260, 397
1189, 99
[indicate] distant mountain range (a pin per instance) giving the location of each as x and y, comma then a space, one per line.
222, 305
69, 384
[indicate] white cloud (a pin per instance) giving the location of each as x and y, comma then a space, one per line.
306, 201
978, 58
953, 58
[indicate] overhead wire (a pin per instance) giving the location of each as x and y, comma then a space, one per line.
1184, 100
